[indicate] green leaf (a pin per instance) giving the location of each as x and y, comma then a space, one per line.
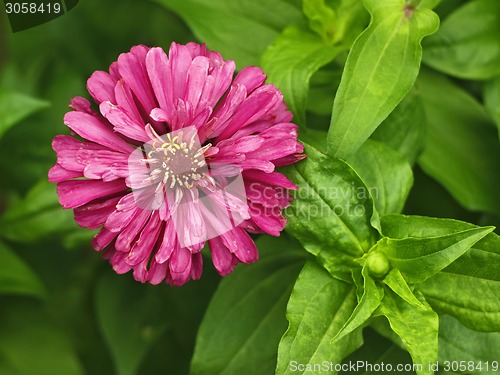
457, 343
322, 19
32, 343
492, 100
381, 68
16, 277
398, 285
420, 258
371, 298
239, 30
331, 212
473, 283
387, 174
14, 107
338, 22
130, 330
246, 317
462, 148
471, 52
404, 129
37, 216
416, 325
318, 308
291, 60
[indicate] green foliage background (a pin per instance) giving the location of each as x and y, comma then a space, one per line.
426, 136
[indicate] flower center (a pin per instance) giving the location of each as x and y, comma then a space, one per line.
177, 160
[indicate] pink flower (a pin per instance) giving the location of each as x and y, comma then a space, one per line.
178, 155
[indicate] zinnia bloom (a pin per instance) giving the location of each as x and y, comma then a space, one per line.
180, 153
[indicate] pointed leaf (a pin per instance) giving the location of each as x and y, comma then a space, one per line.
331, 212
246, 317
370, 300
398, 285
417, 327
420, 258
318, 308
291, 60
472, 281
386, 172
14, 107
471, 52
16, 277
381, 68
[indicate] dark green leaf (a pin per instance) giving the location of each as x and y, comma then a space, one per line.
471, 52
462, 148
457, 343
386, 173
14, 107
318, 308
472, 281
420, 258
377, 351
291, 60
16, 277
132, 318
32, 343
381, 68
36, 216
246, 317
331, 213
416, 325
239, 30
404, 129
492, 100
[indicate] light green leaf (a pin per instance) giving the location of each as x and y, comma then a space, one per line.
331, 212
371, 297
338, 22
471, 52
457, 343
16, 277
291, 60
492, 100
240, 30
387, 174
398, 285
404, 128
318, 308
381, 68
472, 281
32, 343
246, 317
420, 258
462, 148
36, 216
130, 332
14, 107
416, 325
